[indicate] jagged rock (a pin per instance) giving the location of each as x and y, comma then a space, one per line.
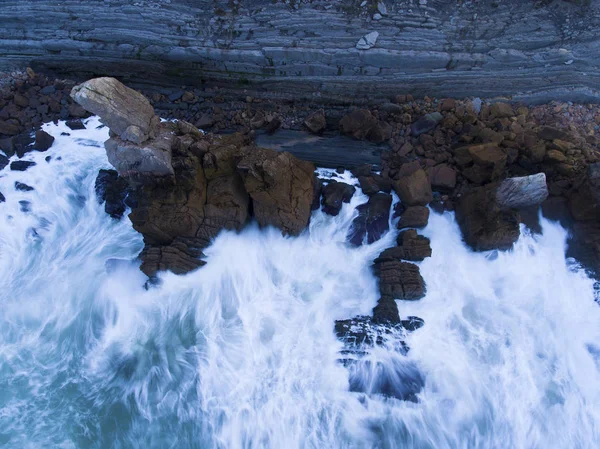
414, 189
123, 110
399, 280
358, 123
21, 165
43, 140
22, 187
442, 177
484, 224
411, 246
334, 195
316, 122
372, 220
112, 190
281, 188
522, 191
426, 123
2, 198
414, 217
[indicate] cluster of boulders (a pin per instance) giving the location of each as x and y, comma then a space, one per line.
186, 186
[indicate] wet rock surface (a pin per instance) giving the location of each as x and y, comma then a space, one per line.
335, 194
372, 220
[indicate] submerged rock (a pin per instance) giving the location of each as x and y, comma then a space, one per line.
372, 220
22, 187
111, 189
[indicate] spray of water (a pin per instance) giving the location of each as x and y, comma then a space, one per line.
242, 353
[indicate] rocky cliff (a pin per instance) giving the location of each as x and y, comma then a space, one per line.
316, 49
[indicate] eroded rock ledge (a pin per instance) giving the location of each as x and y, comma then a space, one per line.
187, 186
329, 49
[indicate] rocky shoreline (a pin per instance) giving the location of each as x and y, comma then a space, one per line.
493, 163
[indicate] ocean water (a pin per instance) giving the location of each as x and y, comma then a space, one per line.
242, 353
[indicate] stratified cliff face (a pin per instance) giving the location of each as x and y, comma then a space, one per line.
335, 49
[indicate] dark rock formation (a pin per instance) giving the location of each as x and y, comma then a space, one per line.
188, 186
334, 195
372, 220
2, 198
358, 123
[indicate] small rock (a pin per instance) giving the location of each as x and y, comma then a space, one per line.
21, 165
3, 161
382, 8
367, 41
23, 187
75, 124
316, 122
358, 123
2, 198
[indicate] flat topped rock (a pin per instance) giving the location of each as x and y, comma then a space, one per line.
126, 112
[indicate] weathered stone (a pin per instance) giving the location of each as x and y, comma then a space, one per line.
414, 217
381, 132
414, 189
118, 106
179, 257
281, 188
555, 156
399, 280
523, 191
